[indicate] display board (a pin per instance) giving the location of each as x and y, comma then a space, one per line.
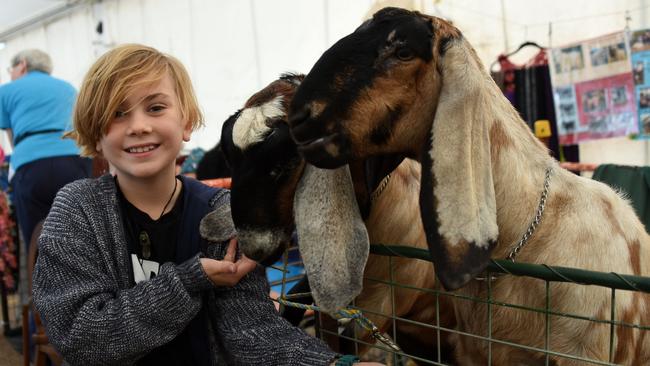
640, 48
593, 89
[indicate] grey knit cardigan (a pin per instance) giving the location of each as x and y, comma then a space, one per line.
95, 316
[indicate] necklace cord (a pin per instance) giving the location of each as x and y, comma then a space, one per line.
169, 200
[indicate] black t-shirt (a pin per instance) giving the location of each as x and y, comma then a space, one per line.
160, 234
163, 241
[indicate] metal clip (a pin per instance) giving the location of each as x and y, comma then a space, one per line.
385, 340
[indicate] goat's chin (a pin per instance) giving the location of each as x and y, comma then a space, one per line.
273, 257
263, 246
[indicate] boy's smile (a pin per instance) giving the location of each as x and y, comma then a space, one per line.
141, 148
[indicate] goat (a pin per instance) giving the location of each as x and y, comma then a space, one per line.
266, 169
410, 84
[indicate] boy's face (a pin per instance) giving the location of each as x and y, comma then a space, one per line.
146, 133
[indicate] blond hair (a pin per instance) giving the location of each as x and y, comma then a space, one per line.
113, 77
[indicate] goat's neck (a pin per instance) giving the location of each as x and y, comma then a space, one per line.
395, 215
519, 162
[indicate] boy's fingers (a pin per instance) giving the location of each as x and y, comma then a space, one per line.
231, 251
224, 267
245, 264
215, 267
245, 258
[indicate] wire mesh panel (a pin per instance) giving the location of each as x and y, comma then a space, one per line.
426, 325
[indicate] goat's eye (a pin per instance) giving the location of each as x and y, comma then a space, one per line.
277, 172
404, 54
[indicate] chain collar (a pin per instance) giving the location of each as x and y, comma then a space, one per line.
538, 217
531, 228
380, 188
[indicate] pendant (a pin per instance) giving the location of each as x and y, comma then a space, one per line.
146, 244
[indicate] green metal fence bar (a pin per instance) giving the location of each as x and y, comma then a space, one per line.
543, 272
520, 307
357, 340
487, 339
611, 280
529, 348
489, 310
438, 327
285, 260
611, 327
392, 306
547, 328
287, 279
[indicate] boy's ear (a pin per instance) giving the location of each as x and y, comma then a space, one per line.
187, 131
98, 147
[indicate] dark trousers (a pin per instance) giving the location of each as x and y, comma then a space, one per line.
35, 185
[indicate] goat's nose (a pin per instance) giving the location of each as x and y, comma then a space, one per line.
299, 116
302, 132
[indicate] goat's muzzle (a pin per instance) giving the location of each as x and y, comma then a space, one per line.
304, 129
323, 150
264, 246
326, 152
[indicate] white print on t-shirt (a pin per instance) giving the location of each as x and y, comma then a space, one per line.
143, 269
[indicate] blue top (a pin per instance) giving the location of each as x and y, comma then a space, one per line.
38, 102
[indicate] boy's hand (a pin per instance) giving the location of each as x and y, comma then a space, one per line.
228, 272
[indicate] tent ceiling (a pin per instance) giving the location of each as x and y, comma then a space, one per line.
15, 12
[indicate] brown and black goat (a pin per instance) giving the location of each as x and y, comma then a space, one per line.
268, 171
407, 83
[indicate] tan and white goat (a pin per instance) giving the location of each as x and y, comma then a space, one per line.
411, 84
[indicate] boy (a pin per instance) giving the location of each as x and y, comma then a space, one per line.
120, 278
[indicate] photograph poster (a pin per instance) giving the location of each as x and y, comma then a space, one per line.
593, 89
640, 47
606, 108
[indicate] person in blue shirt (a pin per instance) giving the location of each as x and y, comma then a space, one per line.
36, 110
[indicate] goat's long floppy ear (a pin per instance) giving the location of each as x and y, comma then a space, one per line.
457, 198
332, 237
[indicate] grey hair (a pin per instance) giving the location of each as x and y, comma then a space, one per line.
36, 60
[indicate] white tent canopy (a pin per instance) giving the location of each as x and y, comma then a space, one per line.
234, 47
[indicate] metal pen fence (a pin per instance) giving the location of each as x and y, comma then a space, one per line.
331, 330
